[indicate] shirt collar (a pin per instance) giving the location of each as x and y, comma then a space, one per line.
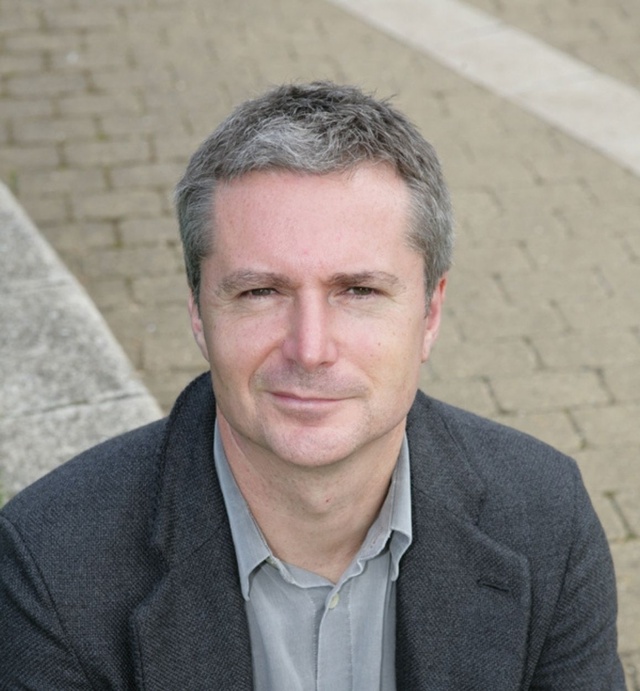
250, 545
393, 524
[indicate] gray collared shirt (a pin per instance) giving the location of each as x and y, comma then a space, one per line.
306, 632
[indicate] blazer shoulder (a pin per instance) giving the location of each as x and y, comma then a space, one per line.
524, 483
494, 448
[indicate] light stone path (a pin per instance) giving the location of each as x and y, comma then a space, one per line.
101, 104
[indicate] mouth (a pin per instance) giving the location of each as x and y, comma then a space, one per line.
291, 398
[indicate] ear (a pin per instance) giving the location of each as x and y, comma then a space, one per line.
432, 321
197, 326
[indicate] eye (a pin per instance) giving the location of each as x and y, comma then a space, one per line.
361, 291
258, 292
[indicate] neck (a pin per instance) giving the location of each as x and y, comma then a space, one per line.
313, 517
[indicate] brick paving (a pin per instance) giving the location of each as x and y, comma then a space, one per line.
100, 107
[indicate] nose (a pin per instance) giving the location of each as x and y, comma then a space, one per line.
310, 340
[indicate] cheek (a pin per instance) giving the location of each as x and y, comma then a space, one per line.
392, 356
238, 346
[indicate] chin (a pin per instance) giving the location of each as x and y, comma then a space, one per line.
312, 450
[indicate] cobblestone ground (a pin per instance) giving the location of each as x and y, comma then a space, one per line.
101, 104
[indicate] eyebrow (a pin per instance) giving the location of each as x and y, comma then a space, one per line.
243, 279
378, 278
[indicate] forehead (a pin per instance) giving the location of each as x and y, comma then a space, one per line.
374, 193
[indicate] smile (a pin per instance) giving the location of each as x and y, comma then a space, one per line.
305, 407
288, 398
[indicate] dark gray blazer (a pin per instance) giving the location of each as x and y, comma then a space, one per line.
117, 570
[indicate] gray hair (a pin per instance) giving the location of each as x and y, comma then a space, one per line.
316, 128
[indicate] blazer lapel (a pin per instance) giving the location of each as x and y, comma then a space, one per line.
463, 600
191, 632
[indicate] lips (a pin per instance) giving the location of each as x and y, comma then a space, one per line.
306, 408
306, 398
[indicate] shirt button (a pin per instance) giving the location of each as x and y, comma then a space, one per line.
333, 602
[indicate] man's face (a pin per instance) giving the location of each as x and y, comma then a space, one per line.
312, 314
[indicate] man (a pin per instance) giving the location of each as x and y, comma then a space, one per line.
305, 519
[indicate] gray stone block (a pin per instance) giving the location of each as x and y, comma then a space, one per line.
32, 445
65, 383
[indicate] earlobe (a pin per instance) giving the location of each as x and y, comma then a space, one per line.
432, 321
197, 326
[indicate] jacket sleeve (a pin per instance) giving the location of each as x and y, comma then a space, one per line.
580, 651
34, 652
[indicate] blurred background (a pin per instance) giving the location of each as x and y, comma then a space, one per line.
101, 104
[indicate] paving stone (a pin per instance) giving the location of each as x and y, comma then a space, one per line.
86, 19
118, 125
161, 290
492, 258
46, 209
27, 158
624, 381
90, 104
631, 664
593, 348
117, 205
50, 130
77, 238
15, 20
19, 63
185, 353
29, 41
563, 254
89, 58
177, 149
613, 426
544, 391
146, 261
486, 321
552, 285
582, 312
633, 241
471, 394
25, 107
510, 357
110, 293
554, 428
147, 231
624, 280
162, 175
63, 181
46, 84
98, 153
608, 469
129, 322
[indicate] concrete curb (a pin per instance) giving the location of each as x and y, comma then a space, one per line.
65, 382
